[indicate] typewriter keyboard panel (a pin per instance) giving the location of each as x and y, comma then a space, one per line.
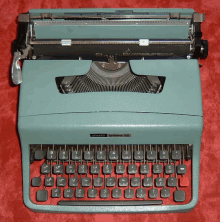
101, 174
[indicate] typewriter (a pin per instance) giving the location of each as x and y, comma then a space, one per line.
110, 109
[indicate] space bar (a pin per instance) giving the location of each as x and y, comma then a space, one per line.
110, 203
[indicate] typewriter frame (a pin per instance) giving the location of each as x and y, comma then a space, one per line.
149, 127
146, 123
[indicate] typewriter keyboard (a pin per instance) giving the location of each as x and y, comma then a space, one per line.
110, 174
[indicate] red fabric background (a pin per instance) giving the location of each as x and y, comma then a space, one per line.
11, 203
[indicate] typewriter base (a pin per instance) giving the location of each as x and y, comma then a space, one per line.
31, 132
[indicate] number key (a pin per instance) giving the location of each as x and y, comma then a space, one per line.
163, 155
176, 154
63, 155
151, 155
101, 155
51, 154
138, 155
76, 155
126, 155
88, 155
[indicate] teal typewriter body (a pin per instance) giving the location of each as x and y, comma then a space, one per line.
110, 110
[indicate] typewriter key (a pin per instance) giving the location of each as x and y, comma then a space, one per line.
116, 193
153, 193
42, 195
92, 193
132, 169
104, 193
126, 155
129, 193
68, 193
39, 154
138, 155
56, 193
70, 169
98, 182
160, 182
179, 196
144, 169
110, 182
120, 168
171, 182
36, 182
123, 182
80, 193
86, 182
141, 193
165, 193
49, 182
148, 182
73, 181
94, 169
135, 181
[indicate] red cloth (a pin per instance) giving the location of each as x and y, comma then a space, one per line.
11, 203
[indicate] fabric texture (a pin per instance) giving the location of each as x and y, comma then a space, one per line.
12, 207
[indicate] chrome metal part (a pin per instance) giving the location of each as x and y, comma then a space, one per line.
25, 17
112, 42
112, 22
16, 74
197, 17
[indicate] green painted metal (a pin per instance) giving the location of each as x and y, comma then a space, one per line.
181, 93
91, 10
114, 31
74, 128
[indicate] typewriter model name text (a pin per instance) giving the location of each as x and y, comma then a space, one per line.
110, 135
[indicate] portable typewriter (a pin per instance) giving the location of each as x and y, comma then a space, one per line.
110, 111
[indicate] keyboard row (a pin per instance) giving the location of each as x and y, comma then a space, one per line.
111, 155
108, 169
110, 182
178, 195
